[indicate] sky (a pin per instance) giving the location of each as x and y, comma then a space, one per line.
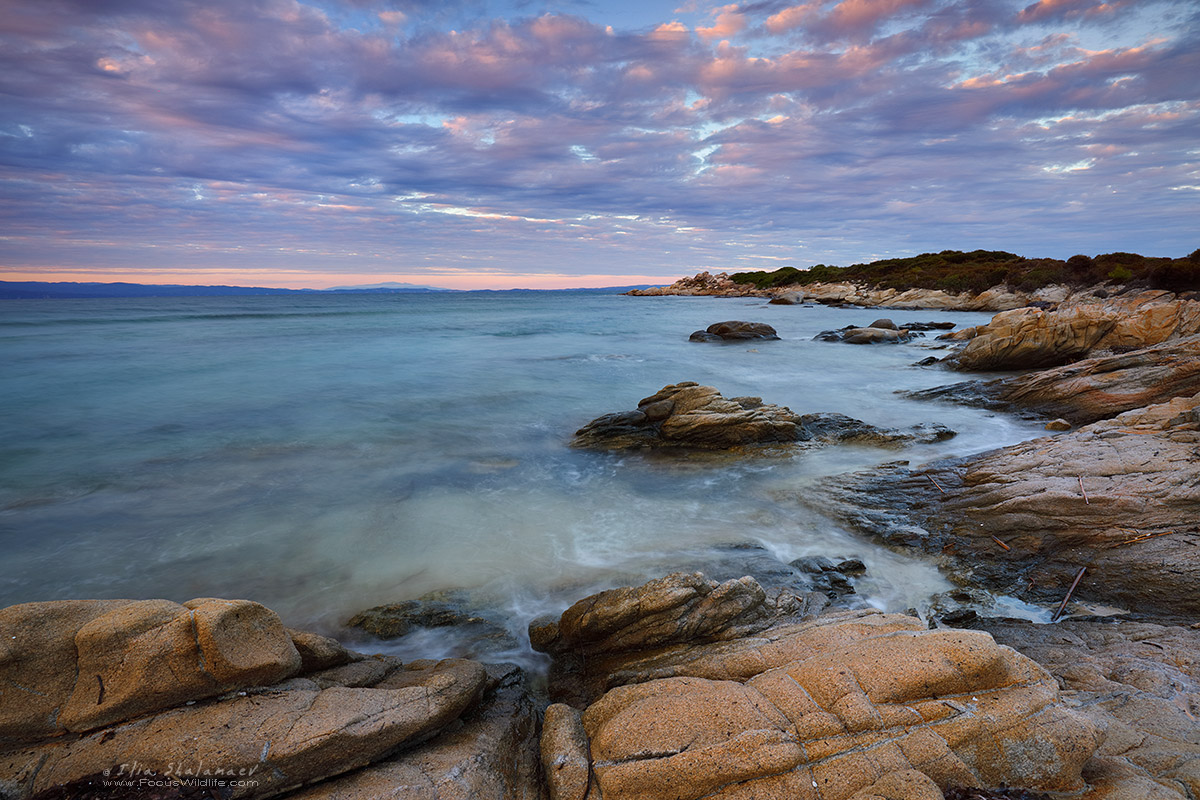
516, 143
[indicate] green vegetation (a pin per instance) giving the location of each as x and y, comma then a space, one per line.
956, 271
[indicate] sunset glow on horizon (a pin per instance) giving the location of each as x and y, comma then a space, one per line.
567, 143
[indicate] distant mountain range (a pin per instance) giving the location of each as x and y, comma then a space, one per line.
32, 290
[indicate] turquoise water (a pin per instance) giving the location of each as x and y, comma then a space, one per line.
325, 454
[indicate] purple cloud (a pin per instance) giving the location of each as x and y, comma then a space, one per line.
371, 136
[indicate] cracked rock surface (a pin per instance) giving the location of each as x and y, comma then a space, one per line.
836, 707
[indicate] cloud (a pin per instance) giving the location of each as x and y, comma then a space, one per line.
369, 136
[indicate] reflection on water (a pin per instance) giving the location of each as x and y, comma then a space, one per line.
322, 455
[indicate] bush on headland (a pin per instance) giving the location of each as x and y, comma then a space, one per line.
979, 270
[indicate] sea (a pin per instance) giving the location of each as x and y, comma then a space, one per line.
322, 454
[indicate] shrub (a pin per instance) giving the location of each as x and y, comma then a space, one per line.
978, 270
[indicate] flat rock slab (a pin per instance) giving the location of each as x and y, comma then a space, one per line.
492, 754
268, 741
1140, 683
1089, 390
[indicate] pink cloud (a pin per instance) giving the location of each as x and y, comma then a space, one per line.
729, 22
852, 18
1045, 10
793, 17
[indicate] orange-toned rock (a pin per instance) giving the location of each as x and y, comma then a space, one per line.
490, 753
38, 663
851, 706
565, 758
123, 659
1027, 338
272, 740
1089, 390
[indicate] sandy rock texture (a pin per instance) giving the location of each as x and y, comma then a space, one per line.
687, 415
1119, 498
848, 705
1092, 389
1082, 325
491, 752
212, 689
74, 666
1139, 682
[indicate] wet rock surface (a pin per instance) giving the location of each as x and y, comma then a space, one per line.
1089, 390
1119, 498
478, 630
869, 335
687, 415
845, 705
734, 331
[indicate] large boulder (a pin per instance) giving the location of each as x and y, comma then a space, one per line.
79, 665
734, 331
1118, 497
687, 415
1027, 338
836, 707
1092, 389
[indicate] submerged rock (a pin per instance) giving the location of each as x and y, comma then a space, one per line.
687, 415
734, 331
477, 630
870, 335
845, 706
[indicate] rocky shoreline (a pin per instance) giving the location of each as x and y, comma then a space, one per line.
771, 683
